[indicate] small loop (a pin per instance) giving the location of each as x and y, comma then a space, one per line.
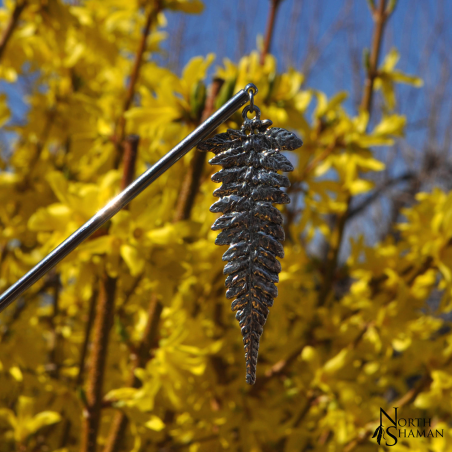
248, 109
251, 87
251, 100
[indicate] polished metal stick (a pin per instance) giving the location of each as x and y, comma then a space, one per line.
133, 190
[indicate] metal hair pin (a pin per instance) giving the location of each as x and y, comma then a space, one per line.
133, 190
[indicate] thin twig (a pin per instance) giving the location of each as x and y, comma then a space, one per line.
312, 165
380, 17
81, 366
17, 11
154, 10
270, 27
192, 180
379, 191
130, 156
66, 432
53, 366
195, 441
88, 327
333, 255
102, 326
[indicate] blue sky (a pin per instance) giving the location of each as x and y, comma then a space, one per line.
229, 28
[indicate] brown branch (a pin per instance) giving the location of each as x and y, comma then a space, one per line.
130, 156
154, 10
103, 323
192, 180
411, 395
312, 399
66, 431
102, 326
270, 27
312, 165
88, 327
142, 356
372, 6
380, 17
40, 145
53, 366
333, 255
276, 370
17, 11
81, 367
408, 176
195, 441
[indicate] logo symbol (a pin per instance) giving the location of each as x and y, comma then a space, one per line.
404, 428
380, 430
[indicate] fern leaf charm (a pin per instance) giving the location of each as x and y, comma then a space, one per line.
250, 225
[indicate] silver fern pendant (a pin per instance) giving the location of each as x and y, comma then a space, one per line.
250, 225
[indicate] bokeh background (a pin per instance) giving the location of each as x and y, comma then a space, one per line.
129, 344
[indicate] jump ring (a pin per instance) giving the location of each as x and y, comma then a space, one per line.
248, 109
